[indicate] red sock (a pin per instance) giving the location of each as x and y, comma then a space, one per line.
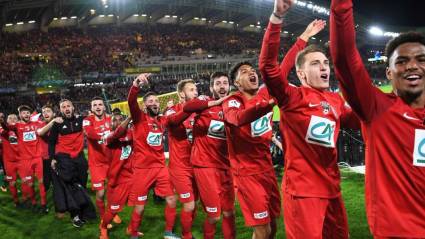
14, 193
42, 194
186, 219
100, 204
107, 218
170, 218
209, 229
228, 227
135, 221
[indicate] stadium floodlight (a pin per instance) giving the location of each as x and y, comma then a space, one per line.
136, 15
196, 18
102, 15
106, 6
286, 32
376, 31
64, 18
251, 25
203, 19
232, 22
32, 21
92, 11
20, 23
110, 15
55, 19
167, 16
9, 24
174, 16
144, 15
224, 21
391, 34
313, 38
73, 17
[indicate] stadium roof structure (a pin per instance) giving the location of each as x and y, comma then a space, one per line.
248, 15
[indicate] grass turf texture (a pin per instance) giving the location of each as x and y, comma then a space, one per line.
22, 223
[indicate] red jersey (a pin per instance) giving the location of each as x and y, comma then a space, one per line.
10, 145
249, 132
148, 149
179, 140
94, 130
394, 135
209, 147
119, 143
28, 140
311, 122
44, 142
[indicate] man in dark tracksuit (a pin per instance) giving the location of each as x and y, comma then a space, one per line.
66, 144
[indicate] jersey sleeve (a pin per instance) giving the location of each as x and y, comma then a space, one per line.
365, 99
136, 113
89, 130
118, 133
275, 77
235, 113
195, 106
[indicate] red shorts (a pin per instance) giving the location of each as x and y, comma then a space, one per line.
259, 197
144, 179
117, 196
12, 169
98, 173
216, 190
184, 183
31, 167
314, 217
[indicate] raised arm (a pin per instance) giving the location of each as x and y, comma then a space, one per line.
236, 115
45, 129
197, 105
119, 132
89, 130
136, 113
350, 71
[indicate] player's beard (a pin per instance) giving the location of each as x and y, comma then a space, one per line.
151, 112
410, 96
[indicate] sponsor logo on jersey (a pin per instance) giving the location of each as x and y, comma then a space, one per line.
321, 131
234, 104
216, 130
86, 123
261, 125
211, 209
419, 150
185, 195
170, 112
142, 198
405, 115
261, 215
9, 177
125, 152
154, 139
29, 136
28, 177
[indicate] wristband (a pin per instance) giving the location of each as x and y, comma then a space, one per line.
277, 16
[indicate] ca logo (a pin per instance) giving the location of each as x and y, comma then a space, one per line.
154, 139
261, 125
217, 130
419, 150
321, 131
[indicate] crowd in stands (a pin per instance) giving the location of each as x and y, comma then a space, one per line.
110, 49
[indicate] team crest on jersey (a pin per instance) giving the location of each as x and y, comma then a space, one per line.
221, 115
419, 151
170, 112
261, 125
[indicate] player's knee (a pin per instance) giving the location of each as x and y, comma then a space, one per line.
171, 201
139, 209
100, 194
262, 231
228, 213
189, 206
213, 220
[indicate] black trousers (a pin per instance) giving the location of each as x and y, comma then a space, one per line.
69, 171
